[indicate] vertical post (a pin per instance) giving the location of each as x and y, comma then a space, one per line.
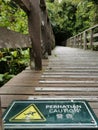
81, 40
78, 41
49, 36
34, 24
85, 41
70, 41
74, 41
44, 40
91, 39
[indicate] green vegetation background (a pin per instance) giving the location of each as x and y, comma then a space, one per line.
70, 17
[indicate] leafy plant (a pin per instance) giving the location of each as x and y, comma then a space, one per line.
12, 17
4, 78
12, 62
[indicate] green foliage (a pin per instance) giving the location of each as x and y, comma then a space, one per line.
70, 17
12, 17
84, 16
12, 62
62, 16
4, 78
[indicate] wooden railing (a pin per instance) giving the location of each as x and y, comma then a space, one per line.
86, 39
40, 39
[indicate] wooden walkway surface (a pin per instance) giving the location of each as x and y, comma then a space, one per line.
69, 73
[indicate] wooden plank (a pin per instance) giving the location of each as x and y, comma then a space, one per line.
6, 100
49, 90
70, 76
66, 82
95, 43
74, 64
50, 85
95, 35
12, 39
62, 89
89, 71
71, 68
72, 80
17, 90
85, 79
70, 73
73, 97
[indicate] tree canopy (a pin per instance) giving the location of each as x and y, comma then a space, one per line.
12, 17
68, 17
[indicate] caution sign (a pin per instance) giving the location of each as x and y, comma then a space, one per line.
29, 114
50, 114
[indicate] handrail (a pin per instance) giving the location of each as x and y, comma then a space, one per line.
40, 39
86, 39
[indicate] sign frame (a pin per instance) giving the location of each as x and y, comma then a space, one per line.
44, 125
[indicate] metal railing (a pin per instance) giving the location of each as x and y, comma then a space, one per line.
86, 39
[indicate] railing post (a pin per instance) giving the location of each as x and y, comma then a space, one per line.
69, 43
34, 24
81, 40
85, 41
44, 43
74, 41
49, 36
91, 39
77, 41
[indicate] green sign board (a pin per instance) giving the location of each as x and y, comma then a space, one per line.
50, 114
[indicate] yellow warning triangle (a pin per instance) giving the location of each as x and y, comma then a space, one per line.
29, 114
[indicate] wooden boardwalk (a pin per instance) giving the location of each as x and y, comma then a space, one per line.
69, 73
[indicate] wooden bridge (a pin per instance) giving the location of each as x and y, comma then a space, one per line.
69, 72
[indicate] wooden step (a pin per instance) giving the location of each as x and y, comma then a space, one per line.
66, 89
67, 82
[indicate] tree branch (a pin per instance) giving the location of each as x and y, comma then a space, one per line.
24, 4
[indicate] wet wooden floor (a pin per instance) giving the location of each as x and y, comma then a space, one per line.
69, 73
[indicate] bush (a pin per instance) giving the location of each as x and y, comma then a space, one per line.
12, 62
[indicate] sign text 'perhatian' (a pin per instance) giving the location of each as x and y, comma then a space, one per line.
64, 108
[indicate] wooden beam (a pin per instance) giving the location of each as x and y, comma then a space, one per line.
43, 30
24, 4
34, 23
12, 39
